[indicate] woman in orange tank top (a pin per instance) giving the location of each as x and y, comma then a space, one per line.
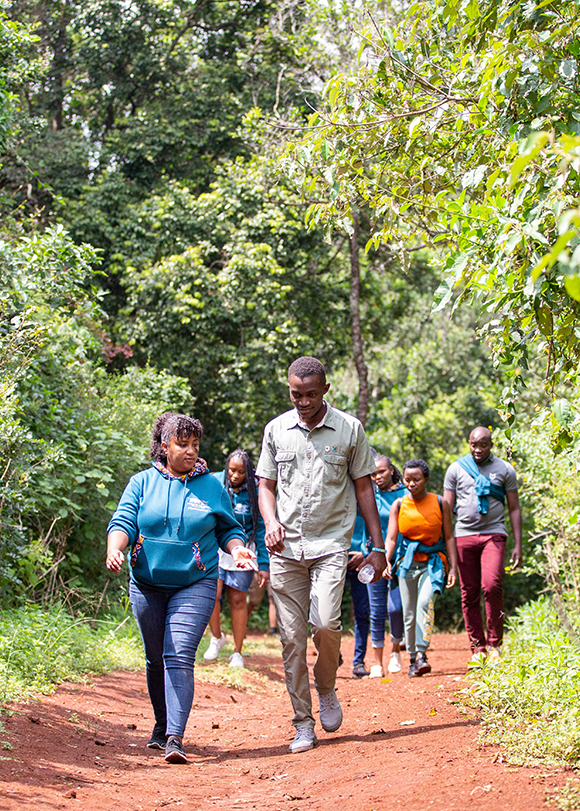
424, 520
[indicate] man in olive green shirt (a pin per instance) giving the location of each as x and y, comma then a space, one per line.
314, 468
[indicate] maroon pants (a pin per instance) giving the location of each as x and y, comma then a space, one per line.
481, 561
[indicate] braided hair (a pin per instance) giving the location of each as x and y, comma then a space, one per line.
396, 474
250, 485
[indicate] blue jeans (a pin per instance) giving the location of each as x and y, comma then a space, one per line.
172, 624
379, 603
360, 605
395, 609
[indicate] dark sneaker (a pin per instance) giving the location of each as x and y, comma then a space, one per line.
359, 670
174, 751
413, 670
422, 664
158, 737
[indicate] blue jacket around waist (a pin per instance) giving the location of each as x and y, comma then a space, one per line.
406, 548
174, 527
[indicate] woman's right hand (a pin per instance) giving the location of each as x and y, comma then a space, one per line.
388, 573
117, 541
114, 560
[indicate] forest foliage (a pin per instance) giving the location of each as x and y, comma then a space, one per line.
177, 228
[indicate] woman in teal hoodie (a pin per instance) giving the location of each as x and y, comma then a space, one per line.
174, 516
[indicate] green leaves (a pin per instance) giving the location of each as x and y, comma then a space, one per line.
467, 136
563, 413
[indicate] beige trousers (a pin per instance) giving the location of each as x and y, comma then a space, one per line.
308, 591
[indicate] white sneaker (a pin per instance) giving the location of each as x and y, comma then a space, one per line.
214, 647
236, 660
394, 665
493, 655
376, 672
305, 739
330, 711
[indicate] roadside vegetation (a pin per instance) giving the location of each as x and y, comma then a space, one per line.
529, 704
41, 647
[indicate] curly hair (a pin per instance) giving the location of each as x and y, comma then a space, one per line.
307, 367
169, 425
417, 464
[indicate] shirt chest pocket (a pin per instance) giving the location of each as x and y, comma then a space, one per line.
286, 462
335, 468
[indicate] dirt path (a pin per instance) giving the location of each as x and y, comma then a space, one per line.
403, 743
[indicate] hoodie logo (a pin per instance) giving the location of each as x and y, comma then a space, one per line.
195, 503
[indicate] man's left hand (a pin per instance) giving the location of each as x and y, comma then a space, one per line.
516, 557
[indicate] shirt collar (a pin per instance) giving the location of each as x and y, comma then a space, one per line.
326, 420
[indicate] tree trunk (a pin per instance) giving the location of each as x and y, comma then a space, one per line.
357, 341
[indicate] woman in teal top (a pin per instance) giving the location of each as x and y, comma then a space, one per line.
239, 480
385, 598
360, 597
175, 517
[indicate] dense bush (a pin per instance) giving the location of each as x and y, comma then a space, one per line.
39, 648
530, 702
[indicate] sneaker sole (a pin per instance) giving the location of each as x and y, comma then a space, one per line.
332, 729
155, 745
305, 747
175, 757
422, 669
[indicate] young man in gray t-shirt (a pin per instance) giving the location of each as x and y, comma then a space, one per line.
478, 494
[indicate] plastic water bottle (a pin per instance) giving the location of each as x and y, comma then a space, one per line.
367, 573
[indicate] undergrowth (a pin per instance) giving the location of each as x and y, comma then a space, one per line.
246, 679
529, 703
42, 647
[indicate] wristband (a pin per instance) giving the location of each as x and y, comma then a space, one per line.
379, 549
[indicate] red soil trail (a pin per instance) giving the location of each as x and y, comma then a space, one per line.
84, 748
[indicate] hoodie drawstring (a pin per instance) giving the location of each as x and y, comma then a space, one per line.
185, 492
167, 505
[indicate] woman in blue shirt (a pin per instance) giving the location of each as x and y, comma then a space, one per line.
383, 598
238, 478
360, 597
175, 516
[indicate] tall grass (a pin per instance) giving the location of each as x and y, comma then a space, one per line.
530, 702
40, 648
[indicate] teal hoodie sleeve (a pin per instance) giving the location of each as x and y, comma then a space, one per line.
125, 517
